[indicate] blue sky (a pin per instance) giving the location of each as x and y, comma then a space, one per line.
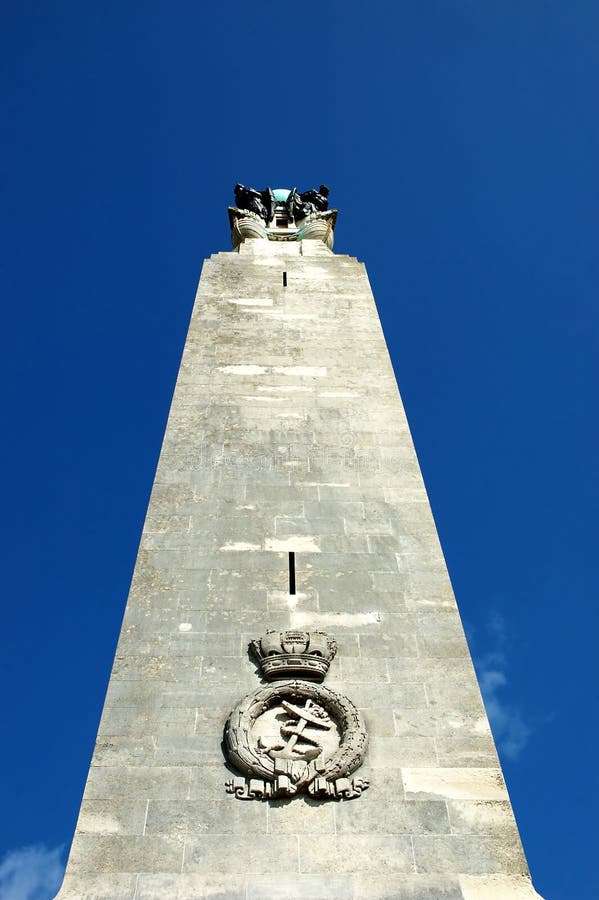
459, 139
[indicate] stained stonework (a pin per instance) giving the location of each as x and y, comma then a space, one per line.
287, 435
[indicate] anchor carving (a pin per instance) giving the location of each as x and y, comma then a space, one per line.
322, 738
310, 714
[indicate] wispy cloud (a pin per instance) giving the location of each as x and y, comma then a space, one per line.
31, 873
510, 729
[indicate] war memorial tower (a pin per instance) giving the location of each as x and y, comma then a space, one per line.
292, 711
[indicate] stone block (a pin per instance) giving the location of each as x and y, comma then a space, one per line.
299, 887
114, 816
405, 696
133, 694
188, 643
419, 722
453, 784
467, 750
344, 492
347, 645
404, 668
392, 816
492, 887
386, 603
300, 815
468, 854
442, 645
379, 722
358, 670
306, 601
369, 525
345, 508
116, 853
250, 621
191, 887
206, 696
346, 583
349, 853
491, 817
288, 527
208, 782
344, 543
97, 887
394, 753
209, 721
164, 668
198, 817
122, 750
223, 670
136, 782
201, 743
394, 582
433, 721
240, 854
134, 722
390, 646
406, 887
456, 693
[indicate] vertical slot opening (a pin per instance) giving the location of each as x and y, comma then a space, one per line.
292, 573
284, 279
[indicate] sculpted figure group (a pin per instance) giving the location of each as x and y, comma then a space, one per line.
297, 206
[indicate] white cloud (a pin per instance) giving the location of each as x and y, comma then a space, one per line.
510, 730
31, 873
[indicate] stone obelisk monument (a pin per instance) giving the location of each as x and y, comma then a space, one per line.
292, 711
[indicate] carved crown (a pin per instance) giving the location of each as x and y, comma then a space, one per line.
297, 654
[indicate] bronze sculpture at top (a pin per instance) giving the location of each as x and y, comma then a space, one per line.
297, 205
280, 214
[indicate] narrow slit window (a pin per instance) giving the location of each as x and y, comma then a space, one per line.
284, 279
292, 573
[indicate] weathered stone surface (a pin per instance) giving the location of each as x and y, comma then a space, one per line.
301, 815
98, 887
479, 817
287, 434
93, 853
455, 784
114, 816
299, 887
142, 782
191, 818
391, 816
406, 887
240, 854
191, 887
348, 853
470, 854
492, 887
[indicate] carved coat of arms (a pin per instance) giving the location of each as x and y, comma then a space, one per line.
295, 735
